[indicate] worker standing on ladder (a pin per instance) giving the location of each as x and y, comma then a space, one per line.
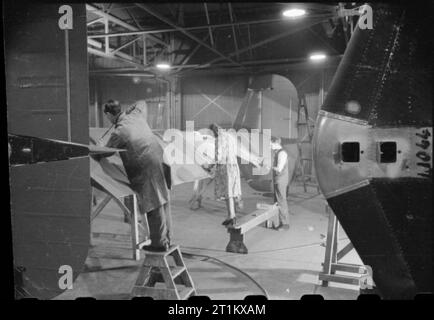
143, 162
280, 182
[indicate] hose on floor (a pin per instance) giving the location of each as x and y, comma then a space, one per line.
206, 257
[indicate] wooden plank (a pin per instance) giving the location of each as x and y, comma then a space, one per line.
100, 206
346, 267
339, 278
135, 228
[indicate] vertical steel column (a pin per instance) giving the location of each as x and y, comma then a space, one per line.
95, 92
68, 86
233, 30
208, 22
260, 110
321, 89
144, 51
106, 41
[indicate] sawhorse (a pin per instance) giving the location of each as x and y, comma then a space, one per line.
264, 213
362, 274
130, 209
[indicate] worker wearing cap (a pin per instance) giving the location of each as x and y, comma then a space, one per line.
143, 162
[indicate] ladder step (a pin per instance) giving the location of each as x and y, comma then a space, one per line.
155, 293
186, 292
177, 271
163, 293
164, 253
161, 283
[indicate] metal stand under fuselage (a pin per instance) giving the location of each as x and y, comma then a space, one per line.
361, 275
263, 214
129, 207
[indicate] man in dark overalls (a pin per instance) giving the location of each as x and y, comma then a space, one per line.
143, 162
280, 182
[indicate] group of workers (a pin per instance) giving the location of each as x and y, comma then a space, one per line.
150, 178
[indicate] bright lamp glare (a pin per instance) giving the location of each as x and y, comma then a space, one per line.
317, 56
163, 66
294, 13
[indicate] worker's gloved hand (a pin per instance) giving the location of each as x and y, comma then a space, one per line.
263, 165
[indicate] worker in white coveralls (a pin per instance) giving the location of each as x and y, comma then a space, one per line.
227, 172
143, 162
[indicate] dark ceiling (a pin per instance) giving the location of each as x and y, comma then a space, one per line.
200, 35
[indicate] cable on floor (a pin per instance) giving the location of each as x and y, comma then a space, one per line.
206, 257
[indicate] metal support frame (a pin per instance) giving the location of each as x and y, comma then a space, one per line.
271, 39
263, 42
208, 22
97, 20
362, 275
141, 59
213, 26
126, 44
130, 209
305, 135
185, 32
108, 52
250, 41
231, 16
192, 53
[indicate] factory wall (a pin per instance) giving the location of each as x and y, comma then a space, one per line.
208, 99
212, 99
202, 99
47, 78
127, 90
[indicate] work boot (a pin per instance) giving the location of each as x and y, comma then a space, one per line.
159, 248
282, 227
236, 247
229, 222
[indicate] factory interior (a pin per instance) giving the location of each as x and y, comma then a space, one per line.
263, 67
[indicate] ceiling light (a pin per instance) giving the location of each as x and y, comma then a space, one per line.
136, 80
294, 13
163, 66
317, 56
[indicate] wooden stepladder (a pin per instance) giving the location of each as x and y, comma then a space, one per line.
164, 276
360, 275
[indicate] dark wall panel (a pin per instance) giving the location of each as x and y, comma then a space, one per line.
36, 68
127, 91
50, 201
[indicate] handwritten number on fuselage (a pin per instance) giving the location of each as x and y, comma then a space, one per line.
426, 163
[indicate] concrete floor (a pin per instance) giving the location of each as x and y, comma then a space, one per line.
285, 264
